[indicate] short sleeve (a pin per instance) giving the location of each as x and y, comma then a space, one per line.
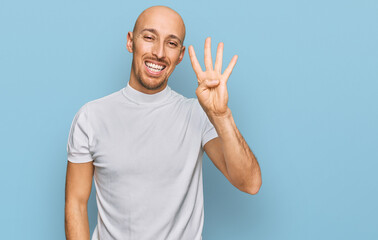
78, 150
208, 130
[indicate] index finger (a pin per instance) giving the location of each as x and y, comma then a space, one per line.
193, 59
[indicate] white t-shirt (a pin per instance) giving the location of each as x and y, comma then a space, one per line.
147, 151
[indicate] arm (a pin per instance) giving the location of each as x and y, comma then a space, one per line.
78, 188
231, 154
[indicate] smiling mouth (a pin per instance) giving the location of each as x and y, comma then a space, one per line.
154, 68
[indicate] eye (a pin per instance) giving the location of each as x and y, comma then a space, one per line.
148, 37
173, 44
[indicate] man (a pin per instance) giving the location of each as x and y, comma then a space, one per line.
144, 143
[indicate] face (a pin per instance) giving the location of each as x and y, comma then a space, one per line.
157, 47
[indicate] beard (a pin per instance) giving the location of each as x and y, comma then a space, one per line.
148, 85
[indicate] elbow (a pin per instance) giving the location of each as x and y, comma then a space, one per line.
254, 188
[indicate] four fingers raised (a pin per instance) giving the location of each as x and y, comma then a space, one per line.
209, 62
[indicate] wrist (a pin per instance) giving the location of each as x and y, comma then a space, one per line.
220, 118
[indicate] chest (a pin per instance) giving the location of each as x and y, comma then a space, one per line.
146, 144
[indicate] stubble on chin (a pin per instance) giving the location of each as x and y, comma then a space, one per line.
149, 86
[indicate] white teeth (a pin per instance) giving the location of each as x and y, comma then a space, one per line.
154, 67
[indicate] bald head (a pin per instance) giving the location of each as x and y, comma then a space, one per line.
157, 45
162, 16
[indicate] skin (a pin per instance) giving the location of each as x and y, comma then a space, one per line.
158, 37
229, 151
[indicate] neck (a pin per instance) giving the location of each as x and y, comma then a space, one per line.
141, 98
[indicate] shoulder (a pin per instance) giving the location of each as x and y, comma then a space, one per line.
106, 100
182, 100
97, 106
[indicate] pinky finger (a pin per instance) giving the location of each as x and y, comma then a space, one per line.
230, 67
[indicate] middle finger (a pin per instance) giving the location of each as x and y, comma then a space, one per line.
208, 59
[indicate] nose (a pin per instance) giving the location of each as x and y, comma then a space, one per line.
158, 50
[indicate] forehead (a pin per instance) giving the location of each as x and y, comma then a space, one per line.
165, 23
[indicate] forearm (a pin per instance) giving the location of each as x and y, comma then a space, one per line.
242, 166
76, 222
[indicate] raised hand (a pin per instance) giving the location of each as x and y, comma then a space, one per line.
212, 84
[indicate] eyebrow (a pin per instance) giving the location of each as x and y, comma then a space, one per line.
152, 30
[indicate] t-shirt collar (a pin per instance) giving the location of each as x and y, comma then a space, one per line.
143, 98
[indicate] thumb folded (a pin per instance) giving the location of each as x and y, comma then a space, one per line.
210, 83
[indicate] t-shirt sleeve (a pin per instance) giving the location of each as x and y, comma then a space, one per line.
208, 130
78, 150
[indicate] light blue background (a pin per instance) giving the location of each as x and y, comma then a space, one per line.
304, 95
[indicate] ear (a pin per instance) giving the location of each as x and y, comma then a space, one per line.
129, 44
181, 55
